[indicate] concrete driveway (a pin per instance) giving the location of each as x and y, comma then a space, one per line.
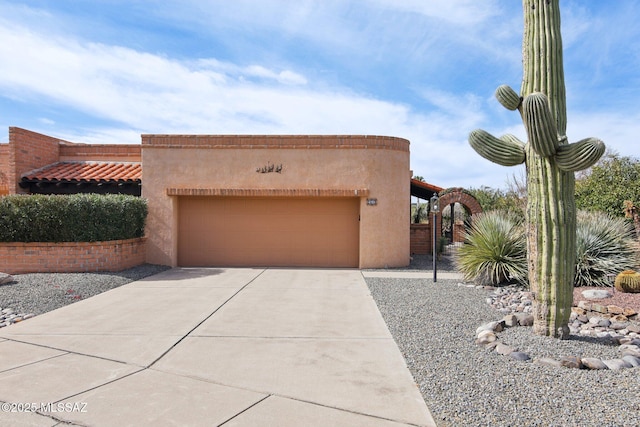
212, 347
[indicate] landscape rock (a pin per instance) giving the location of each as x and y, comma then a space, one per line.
593, 363
5, 278
630, 352
617, 364
510, 320
589, 319
518, 355
596, 294
599, 308
585, 305
632, 360
634, 328
525, 319
571, 362
547, 361
504, 349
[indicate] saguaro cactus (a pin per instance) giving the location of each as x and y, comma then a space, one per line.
550, 162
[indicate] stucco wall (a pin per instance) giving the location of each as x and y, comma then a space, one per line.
377, 164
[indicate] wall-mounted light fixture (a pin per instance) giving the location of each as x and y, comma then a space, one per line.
372, 202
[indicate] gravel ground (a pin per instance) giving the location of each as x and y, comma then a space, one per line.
463, 384
38, 293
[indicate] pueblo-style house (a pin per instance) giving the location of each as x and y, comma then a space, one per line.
245, 200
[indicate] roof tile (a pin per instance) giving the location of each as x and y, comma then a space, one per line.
86, 171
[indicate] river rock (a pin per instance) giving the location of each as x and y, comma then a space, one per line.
518, 355
614, 309
510, 320
617, 364
593, 363
5, 278
525, 319
596, 294
634, 328
571, 362
547, 361
504, 349
633, 360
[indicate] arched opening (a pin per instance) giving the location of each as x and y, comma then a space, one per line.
457, 208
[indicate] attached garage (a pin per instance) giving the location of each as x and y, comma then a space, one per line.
268, 231
277, 200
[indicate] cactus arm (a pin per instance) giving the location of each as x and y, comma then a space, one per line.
512, 139
508, 97
540, 124
508, 151
579, 155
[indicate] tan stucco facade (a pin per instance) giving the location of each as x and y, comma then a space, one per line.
373, 169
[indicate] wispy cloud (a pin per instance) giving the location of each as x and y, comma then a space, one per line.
420, 70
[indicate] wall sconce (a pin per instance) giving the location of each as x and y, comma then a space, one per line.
372, 202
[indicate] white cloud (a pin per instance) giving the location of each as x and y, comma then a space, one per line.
136, 91
458, 12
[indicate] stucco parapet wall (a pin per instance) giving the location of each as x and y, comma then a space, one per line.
267, 192
276, 141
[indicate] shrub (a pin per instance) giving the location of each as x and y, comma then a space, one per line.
495, 250
71, 218
604, 247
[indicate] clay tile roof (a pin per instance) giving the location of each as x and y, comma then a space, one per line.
86, 171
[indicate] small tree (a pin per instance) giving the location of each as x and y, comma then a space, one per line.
608, 184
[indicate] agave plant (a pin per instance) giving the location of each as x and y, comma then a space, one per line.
495, 250
604, 248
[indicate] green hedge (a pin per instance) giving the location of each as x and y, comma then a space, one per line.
71, 218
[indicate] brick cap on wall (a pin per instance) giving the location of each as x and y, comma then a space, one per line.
268, 192
276, 141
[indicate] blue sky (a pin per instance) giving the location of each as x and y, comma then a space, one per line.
106, 71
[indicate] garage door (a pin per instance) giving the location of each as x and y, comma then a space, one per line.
278, 232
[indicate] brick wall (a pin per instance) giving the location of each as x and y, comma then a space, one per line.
27, 151
71, 257
4, 169
459, 231
101, 152
420, 239
276, 141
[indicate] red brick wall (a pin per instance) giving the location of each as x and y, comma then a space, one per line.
4, 169
101, 152
421, 241
27, 151
459, 231
71, 257
276, 141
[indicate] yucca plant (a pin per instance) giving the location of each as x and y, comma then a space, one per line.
604, 247
495, 250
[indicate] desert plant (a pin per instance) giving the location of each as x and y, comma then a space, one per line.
628, 281
604, 247
495, 250
550, 163
419, 213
